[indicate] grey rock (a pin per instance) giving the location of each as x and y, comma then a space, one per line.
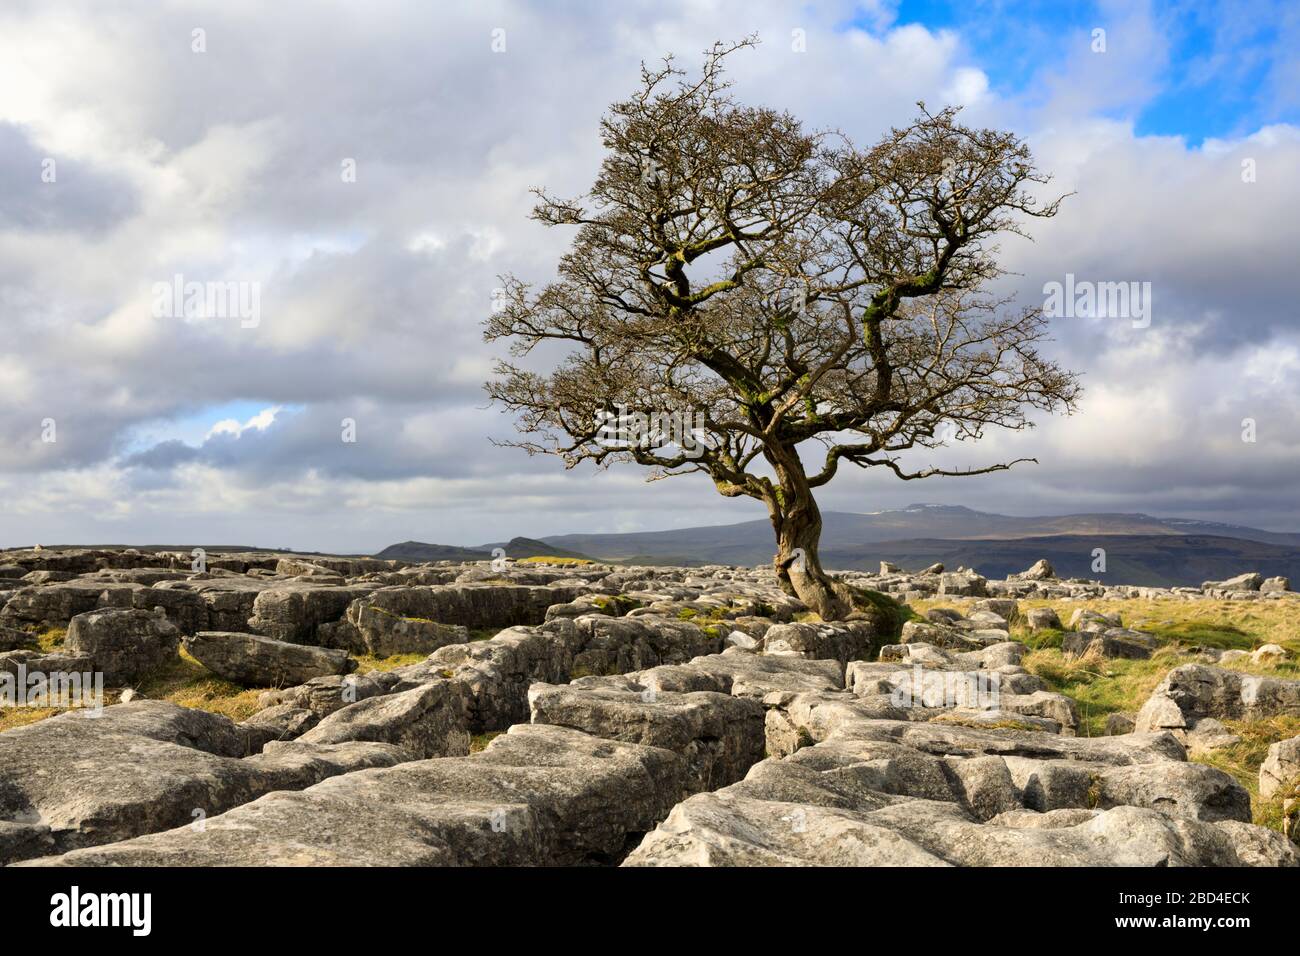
389, 622
1083, 615
723, 830
841, 641
1269, 654
293, 612
741, 640
966, 583
537, 795
185, 609
54, 605
1115, 642
1041, 570
1194, 691
12, 639
1209, 735
1120, 723
283, 721
427, 721
1042, 618
622, 644
1184, 790
494, 675
125, 645
943, 615
73, 781
324, 695
257, 661
1250, 581
720, 736
1280, 769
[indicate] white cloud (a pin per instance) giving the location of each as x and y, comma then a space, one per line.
226, 165
259, 422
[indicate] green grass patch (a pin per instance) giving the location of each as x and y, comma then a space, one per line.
480, 741
892, 614
1224, 637
1099, 686
1048, 637
1242, 761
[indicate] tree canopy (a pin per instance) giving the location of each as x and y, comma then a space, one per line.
781, 288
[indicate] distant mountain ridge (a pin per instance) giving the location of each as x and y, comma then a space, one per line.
751, 541
1141, 549
1146, 560
514, 548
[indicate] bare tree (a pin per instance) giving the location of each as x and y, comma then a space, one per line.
790, 291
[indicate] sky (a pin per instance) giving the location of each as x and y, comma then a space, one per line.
360, 175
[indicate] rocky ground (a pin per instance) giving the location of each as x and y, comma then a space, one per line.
281, 710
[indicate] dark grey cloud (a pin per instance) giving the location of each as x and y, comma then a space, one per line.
44, 191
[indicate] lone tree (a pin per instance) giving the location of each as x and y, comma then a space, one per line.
782, 288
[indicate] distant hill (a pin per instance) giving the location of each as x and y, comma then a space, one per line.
751, 541
514, 548
1140, 549
420, 551
1150, 560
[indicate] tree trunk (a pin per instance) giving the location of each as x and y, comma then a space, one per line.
797, 521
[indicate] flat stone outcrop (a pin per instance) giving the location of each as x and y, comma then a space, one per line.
426, 721
293, 612
388, 622
536, 796
840, 641
494, 675
654, 716
896, 793
719, 735
616, 645
73, 781
256, 661
719, 829
55, 605
185, 609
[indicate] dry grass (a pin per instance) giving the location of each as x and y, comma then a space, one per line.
52, 640
11, 717
184, 681
187, 682
1102, 687
368, 662
555, 559
1242, 760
